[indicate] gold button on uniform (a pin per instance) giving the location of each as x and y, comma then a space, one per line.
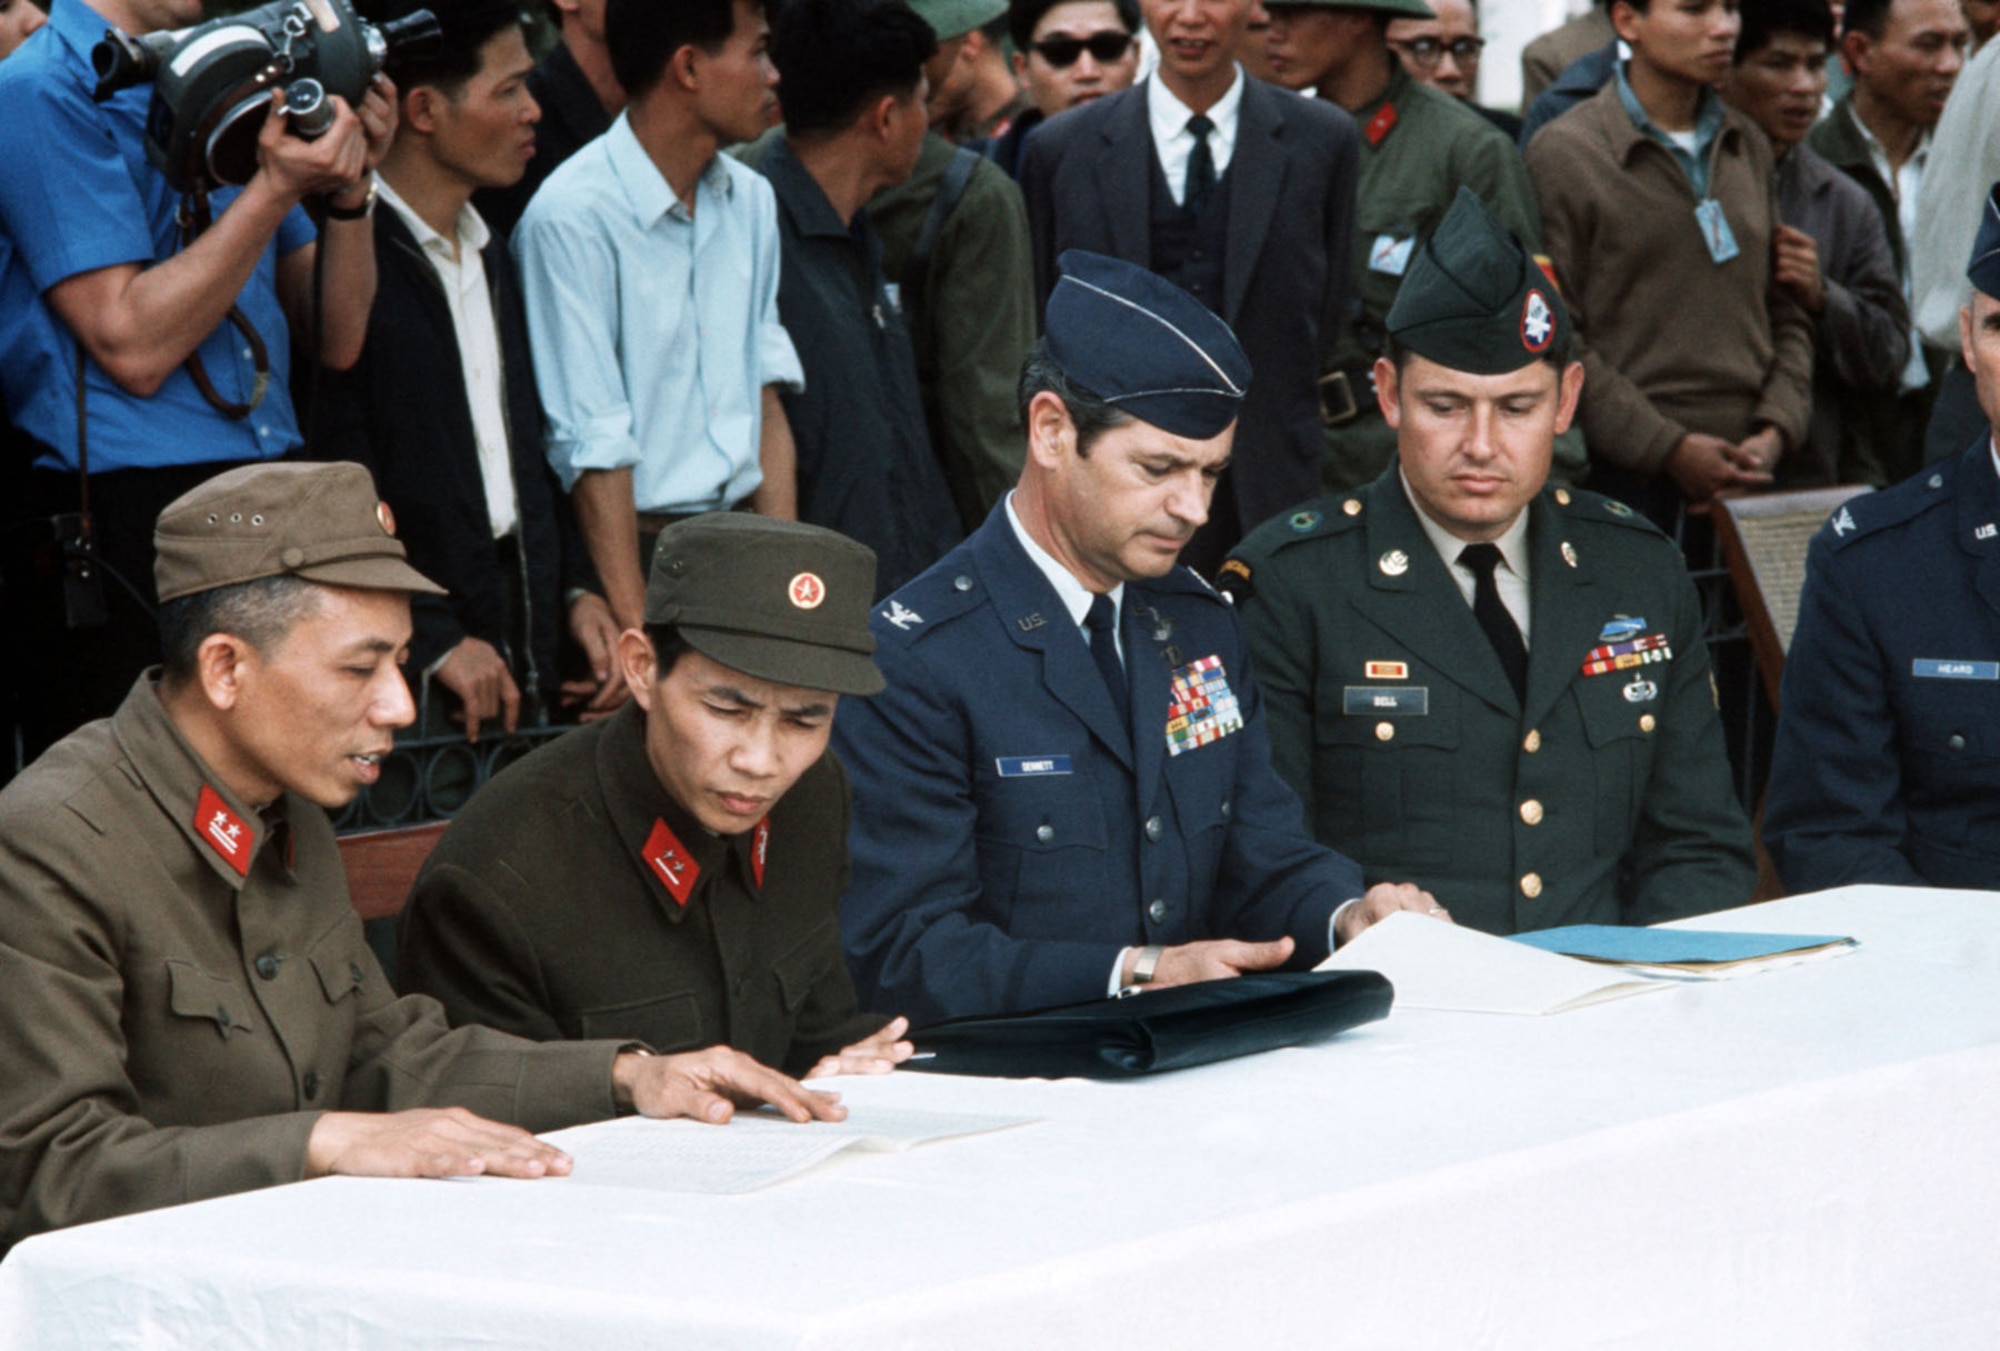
1562, 497
1531, 885
1531, 812
1647, 722
1351, 507
1385, 731
1533, 741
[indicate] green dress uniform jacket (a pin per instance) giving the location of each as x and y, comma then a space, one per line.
1417, 147
186, 989
1605, 800
575, 898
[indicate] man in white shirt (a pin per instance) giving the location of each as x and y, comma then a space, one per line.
442, 405
650, 265
1241, 194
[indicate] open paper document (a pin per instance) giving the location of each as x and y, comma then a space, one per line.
1435, 965
1706, 954
754, 1150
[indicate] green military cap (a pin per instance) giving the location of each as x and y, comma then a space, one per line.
955, 18
774, 599
1402, 9
322, 522
1475, 300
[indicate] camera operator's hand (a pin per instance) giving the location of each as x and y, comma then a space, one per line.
296, 168
378, 119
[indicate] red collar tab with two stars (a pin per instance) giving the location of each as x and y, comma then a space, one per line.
223, 830
671, 862
759, 844
1380, 125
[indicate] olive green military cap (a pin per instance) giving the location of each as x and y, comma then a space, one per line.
1475, 300
322, 522
955, 18
1401, 9
774, 599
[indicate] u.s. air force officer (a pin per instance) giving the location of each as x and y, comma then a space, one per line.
1066, 786
1493, 688
1887, 761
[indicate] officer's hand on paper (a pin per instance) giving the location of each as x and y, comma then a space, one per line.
1381, 901
710, 1085
427, 1142
871, 1055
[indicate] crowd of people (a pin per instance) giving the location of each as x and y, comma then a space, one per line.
1010, 531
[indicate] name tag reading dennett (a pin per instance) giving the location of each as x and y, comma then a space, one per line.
1025, 766
1390, 701
1936, 668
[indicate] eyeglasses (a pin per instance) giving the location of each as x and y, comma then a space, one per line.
1105, 47
1427, 52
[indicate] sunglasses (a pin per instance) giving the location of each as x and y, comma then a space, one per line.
1105, 47
1428, 52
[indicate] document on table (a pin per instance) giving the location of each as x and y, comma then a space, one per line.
1704, 954
754, 1150
1435, 965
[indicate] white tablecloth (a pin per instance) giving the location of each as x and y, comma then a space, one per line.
1804, 1158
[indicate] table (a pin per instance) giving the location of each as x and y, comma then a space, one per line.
1808, 1157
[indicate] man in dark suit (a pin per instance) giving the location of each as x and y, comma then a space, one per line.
1066, 787
1243, 195
1887, 761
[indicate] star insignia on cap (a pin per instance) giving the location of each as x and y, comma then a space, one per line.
807, 590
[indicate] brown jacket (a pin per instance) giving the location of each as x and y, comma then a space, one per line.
178, 1002
1674, 342
543, 910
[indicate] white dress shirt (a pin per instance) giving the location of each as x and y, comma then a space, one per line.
1510, 579
1907, 183
1075, 596
1173, 142
462, 272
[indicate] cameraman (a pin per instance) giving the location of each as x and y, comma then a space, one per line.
185, 345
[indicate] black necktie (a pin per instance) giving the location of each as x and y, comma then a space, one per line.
1102, 621
1501, 630
1200, 166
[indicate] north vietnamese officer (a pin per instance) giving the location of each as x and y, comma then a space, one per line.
1066, 787
1488, 685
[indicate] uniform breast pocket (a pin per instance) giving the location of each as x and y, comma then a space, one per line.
1620, 735
801, 968
1048, 832
210, 1001
1949, 736
1388, 773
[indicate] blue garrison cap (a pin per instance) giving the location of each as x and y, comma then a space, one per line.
1141, 343
1984, 269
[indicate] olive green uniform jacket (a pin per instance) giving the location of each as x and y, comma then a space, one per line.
1417, 147
1601, 801
184, 988
575, 898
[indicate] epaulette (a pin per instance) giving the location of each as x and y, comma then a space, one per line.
926, 604
1580, 504
1866, 513
1321, 518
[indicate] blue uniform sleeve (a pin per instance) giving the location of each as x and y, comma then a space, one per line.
1834, 814
67, 199
924, 937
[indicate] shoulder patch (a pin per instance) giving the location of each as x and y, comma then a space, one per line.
1232, 579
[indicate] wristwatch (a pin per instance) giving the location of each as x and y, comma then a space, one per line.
1149, 961
362, 212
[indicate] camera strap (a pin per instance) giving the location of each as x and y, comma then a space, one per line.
195, 218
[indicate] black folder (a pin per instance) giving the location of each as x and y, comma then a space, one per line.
1157, 1030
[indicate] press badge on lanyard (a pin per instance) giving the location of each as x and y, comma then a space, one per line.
1715, 231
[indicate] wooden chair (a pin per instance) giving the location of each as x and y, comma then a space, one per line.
381, 868
1764, 543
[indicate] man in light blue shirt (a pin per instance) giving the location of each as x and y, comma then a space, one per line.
650, 267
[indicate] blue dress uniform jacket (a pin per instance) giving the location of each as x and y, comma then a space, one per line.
1010, 836
1606, 799
1887, 762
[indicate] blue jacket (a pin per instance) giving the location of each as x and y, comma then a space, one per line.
1010, 837
1887, 762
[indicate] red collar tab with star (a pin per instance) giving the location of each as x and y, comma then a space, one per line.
671, 862
759, 844
224, 831
1380, 125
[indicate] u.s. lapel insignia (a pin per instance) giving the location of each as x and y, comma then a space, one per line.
1029, 623
1987, 531
1394, 563
224, 831
671, 862
760, 844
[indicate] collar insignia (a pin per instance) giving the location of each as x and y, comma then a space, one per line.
671, 862
223, 830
